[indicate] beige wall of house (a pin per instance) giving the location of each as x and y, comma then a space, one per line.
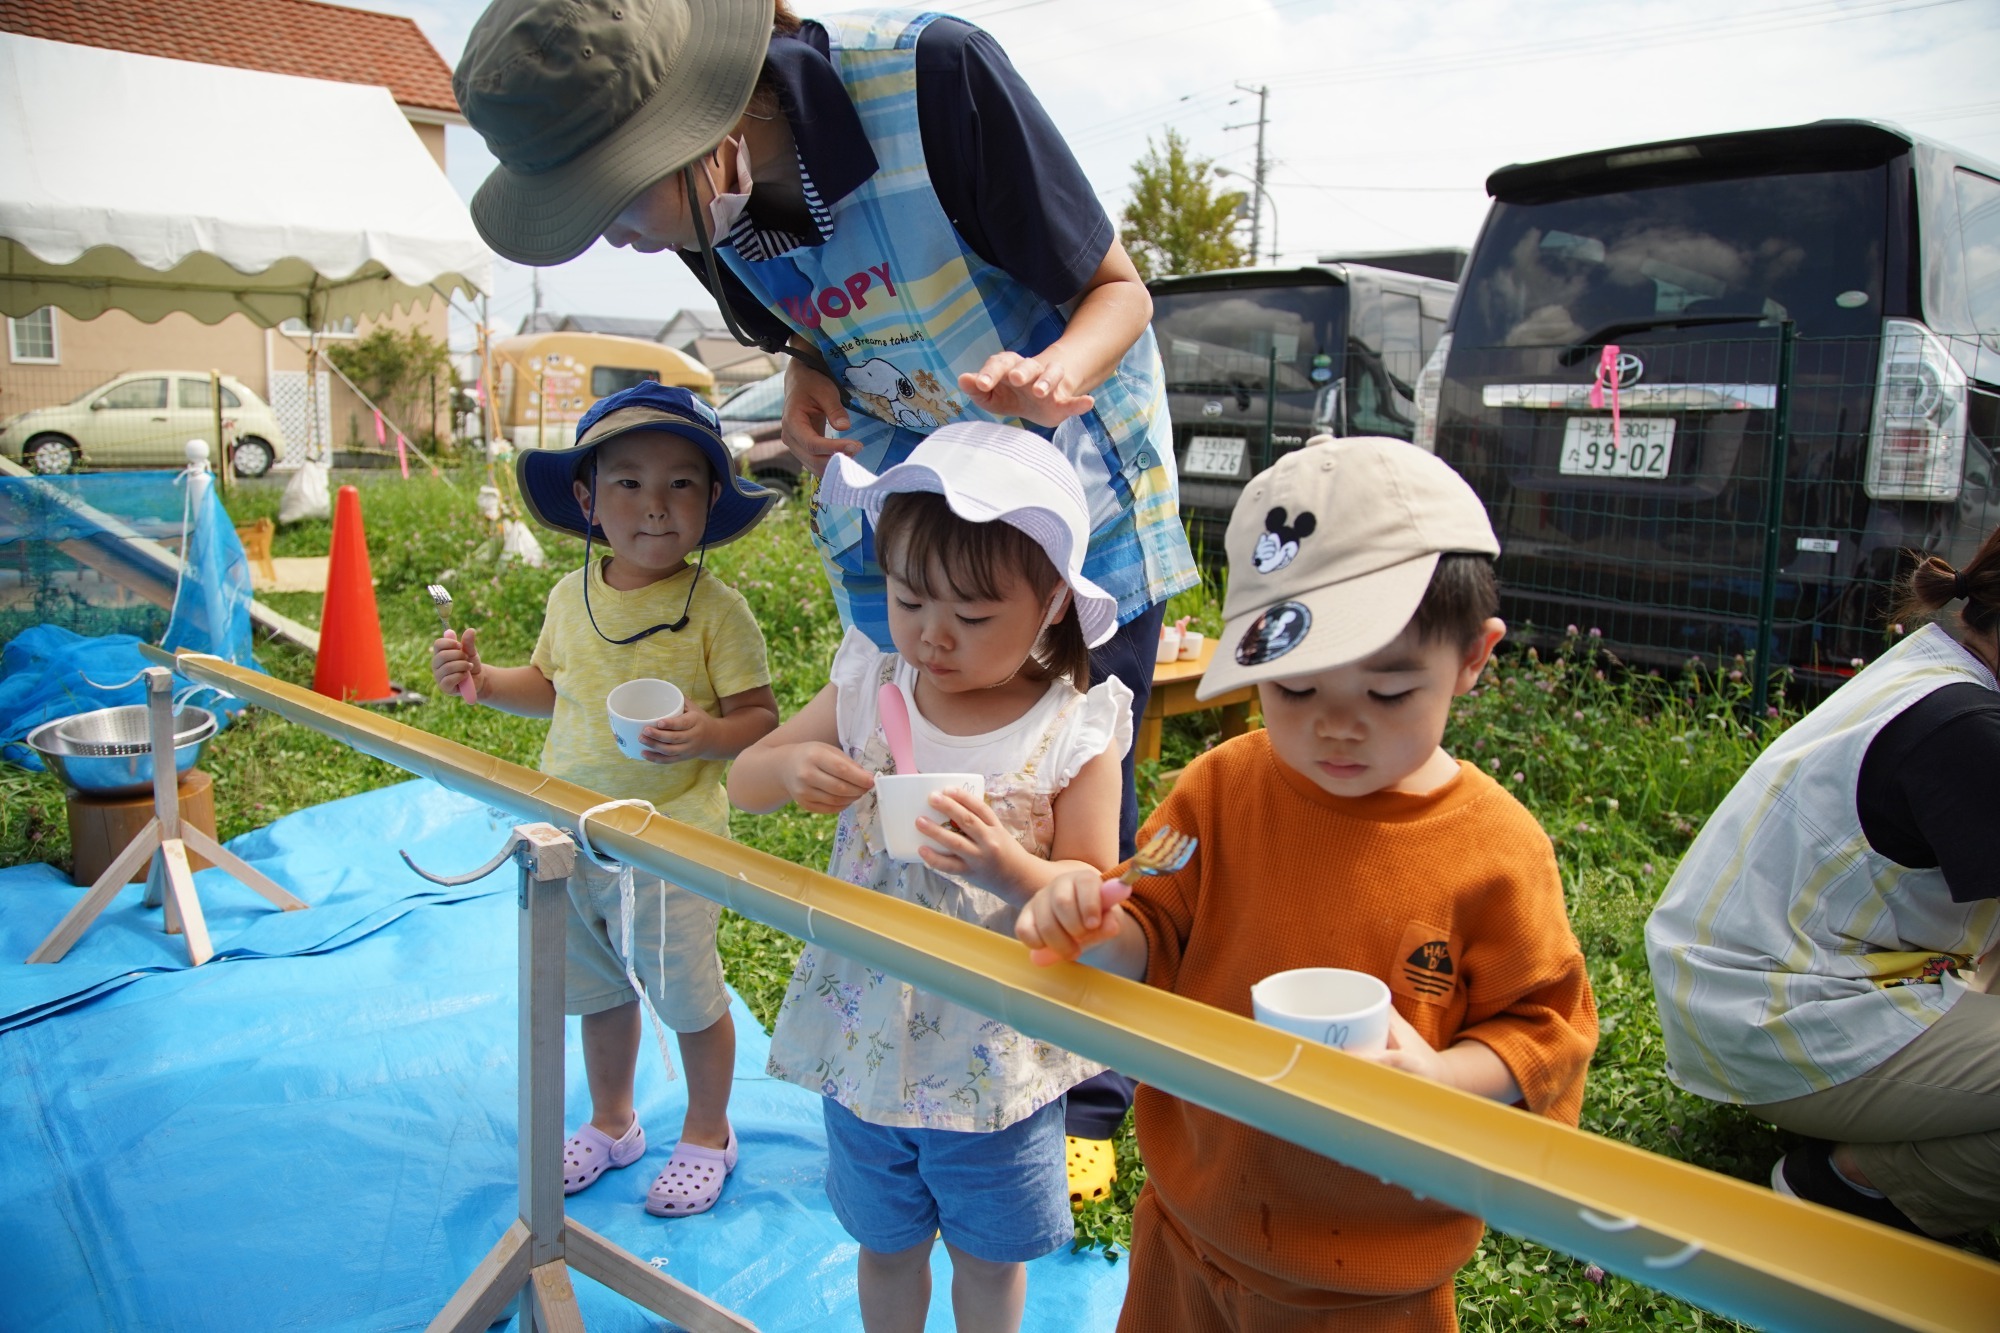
90, 352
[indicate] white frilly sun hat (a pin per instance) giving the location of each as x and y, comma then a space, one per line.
988, 472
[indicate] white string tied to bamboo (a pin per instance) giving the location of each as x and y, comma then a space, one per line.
627, 894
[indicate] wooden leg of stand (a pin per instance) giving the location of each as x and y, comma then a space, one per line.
235, 865
485, 1293
114, 878
595, 1257
180, 895
554, 1299
156, 891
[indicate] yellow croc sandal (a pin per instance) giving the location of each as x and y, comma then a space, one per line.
1093, 1165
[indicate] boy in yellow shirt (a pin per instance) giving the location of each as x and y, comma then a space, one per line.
649, 477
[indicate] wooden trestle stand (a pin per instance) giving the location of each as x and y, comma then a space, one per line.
166, 840
542, 1246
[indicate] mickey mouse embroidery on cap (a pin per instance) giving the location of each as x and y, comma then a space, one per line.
1273, 634
1278, 544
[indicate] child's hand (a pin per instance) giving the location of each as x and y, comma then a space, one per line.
1077, 911
981, 850
1409, 1052
455, 659
1037, 390
685, 735
819, 778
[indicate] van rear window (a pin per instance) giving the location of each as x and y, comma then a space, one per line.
607, 380
1809, 246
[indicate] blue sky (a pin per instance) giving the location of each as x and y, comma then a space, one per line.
1386, 119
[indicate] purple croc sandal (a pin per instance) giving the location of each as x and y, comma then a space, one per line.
692, 1180
590, 1152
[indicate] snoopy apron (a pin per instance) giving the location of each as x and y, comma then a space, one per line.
899, 305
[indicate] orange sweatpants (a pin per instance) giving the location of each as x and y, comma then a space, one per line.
1173, 1290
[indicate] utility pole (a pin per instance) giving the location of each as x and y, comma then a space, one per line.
1263, 92
535, 316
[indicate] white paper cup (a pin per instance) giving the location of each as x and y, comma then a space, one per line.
1170, 645
637, 704
1343, 1009
905, 797
1191, 641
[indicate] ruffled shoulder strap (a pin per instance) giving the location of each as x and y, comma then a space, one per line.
1101, 720
860, 669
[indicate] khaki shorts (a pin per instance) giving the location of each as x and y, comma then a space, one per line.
685, 985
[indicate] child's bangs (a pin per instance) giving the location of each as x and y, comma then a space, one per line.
918, 539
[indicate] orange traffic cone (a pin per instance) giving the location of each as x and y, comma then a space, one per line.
352, 664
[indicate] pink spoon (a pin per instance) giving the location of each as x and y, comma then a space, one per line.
895, 710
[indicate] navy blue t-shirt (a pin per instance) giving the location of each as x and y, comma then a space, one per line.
1925, 792
1000, 169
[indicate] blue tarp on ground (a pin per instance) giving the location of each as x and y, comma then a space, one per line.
317, 1129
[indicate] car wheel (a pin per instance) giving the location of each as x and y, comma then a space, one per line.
251, 457
786, 484
50, 454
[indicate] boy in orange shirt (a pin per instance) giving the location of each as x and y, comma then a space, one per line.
1361, 602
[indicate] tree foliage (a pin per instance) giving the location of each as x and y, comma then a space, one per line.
1177, 221
404, 371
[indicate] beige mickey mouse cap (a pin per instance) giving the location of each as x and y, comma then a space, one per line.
1331, 550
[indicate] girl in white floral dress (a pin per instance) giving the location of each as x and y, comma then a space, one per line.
940, 1119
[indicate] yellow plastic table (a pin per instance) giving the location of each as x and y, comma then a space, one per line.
1173, 694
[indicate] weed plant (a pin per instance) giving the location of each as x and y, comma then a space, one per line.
1619, 767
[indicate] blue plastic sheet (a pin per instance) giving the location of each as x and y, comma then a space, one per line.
317, 1128
68, 616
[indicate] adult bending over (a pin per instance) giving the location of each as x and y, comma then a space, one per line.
1815, 954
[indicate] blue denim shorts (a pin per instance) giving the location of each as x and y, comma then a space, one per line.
1001, 1196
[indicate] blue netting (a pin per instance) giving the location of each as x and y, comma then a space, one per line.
86, 575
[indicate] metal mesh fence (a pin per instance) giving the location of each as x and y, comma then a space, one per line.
1748, 490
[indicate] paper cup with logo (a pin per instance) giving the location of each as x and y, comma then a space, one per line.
638, 704
903, 798
1191, 642
1340, 1008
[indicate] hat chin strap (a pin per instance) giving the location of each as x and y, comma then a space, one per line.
808, 355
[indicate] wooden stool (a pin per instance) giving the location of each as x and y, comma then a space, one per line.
100, 827
1173, 694
256, 538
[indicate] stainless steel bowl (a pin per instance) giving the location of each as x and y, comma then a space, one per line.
116, 774
126, 729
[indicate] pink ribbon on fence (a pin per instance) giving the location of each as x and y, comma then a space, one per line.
381, 436
1607, 373
403, 454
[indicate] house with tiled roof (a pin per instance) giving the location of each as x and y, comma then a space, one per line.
54, 357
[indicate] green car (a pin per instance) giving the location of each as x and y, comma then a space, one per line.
144, 419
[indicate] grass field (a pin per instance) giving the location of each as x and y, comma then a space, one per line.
1620, 769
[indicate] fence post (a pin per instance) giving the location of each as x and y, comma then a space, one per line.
1270, 409
1774, 516
225, 466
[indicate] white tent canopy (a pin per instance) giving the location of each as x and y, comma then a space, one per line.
133, 183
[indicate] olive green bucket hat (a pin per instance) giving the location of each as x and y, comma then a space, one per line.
588, 102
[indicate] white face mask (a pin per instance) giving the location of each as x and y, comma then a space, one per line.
732, 192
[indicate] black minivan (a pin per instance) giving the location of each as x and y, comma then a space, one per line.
1259, 359
1611, 384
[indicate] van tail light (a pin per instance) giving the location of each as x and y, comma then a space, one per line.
1916, 444
1429, 393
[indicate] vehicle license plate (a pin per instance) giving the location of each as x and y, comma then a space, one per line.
1644, 449
1214, 456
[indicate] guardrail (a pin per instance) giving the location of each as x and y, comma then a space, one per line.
1731, 1247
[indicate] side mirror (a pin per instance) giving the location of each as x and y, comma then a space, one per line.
97, 406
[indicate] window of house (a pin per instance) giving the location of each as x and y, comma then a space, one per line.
32, 338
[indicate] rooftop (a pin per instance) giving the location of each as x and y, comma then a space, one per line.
297, 37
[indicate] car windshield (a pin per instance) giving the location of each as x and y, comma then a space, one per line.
762, 401
1220, 341
1809, 246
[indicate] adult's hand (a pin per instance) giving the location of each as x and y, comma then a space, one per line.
1036, 389
812, 402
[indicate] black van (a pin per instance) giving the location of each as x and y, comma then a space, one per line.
1259, 359
1667, 281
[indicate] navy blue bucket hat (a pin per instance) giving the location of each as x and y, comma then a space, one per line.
545, 475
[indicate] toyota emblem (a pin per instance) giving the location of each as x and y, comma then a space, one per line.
1212, 408
1630, 370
